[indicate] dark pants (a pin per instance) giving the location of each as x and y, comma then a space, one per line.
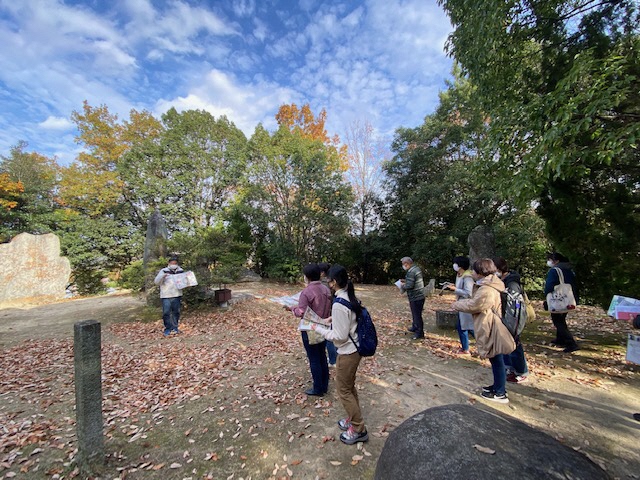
332, 353
171, 313
563, 336
516, 360
317, 363
416, 312
499, 374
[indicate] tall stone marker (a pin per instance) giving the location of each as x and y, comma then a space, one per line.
465, 442
155, 247
32, 270
88, 372
481, 243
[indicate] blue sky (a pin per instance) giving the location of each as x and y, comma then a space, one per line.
375, 60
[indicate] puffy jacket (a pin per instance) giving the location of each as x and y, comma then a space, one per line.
167, 287
492, 337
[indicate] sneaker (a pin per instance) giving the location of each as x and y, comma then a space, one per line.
571, 348
463, 352
417, 337
177, 331
351, 436
513, 378
488, 389
344, 424
166, 333
332, 365
494, 397
411, 329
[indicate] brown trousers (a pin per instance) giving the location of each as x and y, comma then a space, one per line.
346, 368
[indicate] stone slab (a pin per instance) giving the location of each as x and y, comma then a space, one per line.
32, 270
438, 444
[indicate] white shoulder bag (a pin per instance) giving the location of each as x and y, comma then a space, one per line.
561, 300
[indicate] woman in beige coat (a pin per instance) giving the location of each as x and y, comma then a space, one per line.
492, 338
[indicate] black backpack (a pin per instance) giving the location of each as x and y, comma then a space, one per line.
367, 336
514, 309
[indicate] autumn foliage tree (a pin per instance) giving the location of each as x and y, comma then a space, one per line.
34, 199
9, 192
302, 120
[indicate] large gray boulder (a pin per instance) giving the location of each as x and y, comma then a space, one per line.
438, 444
32, 270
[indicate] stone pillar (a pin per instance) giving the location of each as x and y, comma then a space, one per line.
481, 243
88, 383
155, 247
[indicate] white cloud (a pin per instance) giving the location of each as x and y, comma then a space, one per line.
245, 104
178, 29
244, 8
56, 123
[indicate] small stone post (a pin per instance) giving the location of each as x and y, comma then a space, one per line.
88, 383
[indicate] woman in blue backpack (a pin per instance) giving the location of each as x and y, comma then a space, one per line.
343, 333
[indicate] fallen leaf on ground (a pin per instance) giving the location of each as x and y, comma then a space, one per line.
482, 449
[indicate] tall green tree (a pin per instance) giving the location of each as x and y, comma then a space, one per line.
559, 80
190, 171
295, 200
437, 194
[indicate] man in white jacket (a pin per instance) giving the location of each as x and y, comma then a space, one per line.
170, 295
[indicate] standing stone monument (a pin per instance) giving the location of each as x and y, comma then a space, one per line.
155, 247
481, 243
88, 382
32, 270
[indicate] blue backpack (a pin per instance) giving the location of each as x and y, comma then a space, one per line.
367, 336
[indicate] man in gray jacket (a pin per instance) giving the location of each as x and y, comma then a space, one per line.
414, 286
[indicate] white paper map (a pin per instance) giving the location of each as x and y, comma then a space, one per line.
310, 317
287, 300
184, 280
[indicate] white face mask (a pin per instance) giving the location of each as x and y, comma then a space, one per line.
455, 267
173, 267
405, 267
550, 263
306, 280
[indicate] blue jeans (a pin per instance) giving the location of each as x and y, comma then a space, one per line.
464, 335
416, 313
171, 313
317, 363
516, 360
332, 352
499, 375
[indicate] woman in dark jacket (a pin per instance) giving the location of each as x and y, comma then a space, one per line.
515, 362
564, 338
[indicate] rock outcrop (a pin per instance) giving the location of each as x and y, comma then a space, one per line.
32, 270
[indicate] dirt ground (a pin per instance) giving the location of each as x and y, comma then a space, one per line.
224, 400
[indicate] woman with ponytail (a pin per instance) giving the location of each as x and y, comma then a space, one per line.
343, 334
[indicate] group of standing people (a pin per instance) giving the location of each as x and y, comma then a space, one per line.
323, 284
479, 290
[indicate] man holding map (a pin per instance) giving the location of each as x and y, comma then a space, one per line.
170, 295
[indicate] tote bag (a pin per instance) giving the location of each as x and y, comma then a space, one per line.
561, 300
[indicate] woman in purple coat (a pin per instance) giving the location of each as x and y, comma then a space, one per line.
317, 297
